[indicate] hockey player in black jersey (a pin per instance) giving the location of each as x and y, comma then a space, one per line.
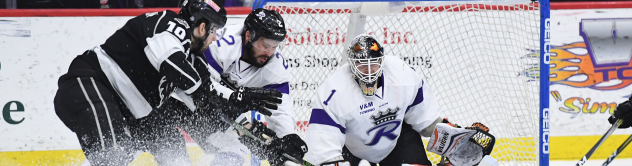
115, 96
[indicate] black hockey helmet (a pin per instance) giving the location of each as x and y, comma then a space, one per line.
211, 10
265, 23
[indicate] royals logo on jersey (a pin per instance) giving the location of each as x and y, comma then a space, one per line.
385, 125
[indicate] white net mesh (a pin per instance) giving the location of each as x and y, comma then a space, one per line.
480, 59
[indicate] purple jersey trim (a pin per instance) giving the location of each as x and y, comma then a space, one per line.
319, 116
283, 87
418, 99
211, 61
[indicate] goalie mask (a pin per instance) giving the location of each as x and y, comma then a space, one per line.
365, 57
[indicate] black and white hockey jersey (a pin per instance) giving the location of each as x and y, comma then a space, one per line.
146, 58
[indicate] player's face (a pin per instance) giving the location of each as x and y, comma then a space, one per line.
198, 43
211, 38
263, 49
368, 67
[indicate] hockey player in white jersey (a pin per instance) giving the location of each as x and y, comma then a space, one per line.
375, 107
246, 58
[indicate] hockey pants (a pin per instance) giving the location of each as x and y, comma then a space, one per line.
408, 150
88, 108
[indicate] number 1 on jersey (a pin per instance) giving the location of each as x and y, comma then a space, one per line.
329, 98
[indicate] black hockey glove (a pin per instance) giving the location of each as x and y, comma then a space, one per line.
292, 145
202, 96
272, 148
228, 109
212, 105
623, 112
259, 99
259, 145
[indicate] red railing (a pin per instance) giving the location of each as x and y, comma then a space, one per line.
591, 5
246, 10
98, 12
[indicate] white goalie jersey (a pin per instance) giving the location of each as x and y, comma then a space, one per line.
368, 126
223, 57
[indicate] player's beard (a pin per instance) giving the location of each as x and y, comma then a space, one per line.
251, 58
197, 45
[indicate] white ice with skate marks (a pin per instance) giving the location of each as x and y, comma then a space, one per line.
227, 150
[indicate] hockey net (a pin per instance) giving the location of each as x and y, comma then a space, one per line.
480, 58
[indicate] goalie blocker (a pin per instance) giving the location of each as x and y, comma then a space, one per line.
461, 146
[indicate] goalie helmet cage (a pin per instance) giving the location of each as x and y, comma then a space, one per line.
481, 58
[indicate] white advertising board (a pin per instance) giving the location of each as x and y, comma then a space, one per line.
34, 53
590, 73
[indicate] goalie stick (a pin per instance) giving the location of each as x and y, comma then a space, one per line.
616, 152
615, 125
247, 133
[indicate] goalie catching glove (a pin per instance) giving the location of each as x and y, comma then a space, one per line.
463, 147
267, 145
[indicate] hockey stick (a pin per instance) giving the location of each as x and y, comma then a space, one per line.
247, 133
615, 125
443, 161
616, 152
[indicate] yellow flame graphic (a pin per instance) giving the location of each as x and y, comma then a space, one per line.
565, 64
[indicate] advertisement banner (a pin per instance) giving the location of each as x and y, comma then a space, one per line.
590, 69
591, 73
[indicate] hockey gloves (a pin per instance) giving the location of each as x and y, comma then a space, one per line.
202, 97
259, 99
461, 146
270, 147
292, 145
212, 105
623, 112
257, 139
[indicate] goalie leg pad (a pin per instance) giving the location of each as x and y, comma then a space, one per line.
461, 146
